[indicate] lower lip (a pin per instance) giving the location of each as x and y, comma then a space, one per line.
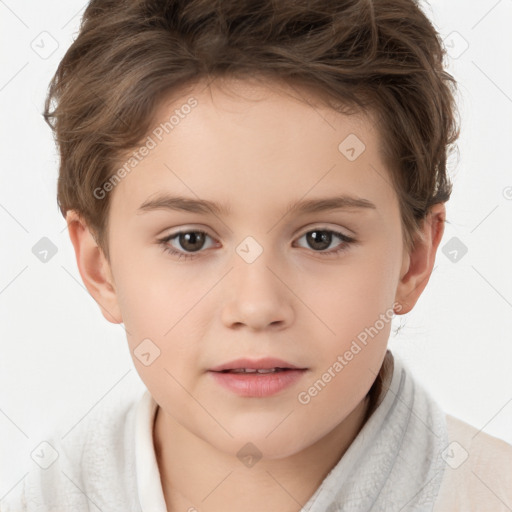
258, 384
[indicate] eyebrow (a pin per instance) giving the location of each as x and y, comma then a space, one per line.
203, 206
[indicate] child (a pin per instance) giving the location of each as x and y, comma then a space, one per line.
302, 147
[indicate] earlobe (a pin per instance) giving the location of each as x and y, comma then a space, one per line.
93, 267
421, 260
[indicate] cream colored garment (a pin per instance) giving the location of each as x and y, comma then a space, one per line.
483, 481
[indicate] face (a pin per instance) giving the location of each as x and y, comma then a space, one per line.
255, 278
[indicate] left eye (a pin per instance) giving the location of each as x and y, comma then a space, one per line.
194, 241
322, 238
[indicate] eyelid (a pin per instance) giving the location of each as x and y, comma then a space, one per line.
296, 234
346, 242
325, 227
180, 231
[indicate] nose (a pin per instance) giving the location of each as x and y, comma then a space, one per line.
257, 297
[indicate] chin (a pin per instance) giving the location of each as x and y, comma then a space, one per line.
251, 447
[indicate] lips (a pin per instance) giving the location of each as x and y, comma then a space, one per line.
249, 379
245, 365
259, 370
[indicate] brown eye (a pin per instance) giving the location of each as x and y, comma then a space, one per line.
191, 241
320, 239
187, 242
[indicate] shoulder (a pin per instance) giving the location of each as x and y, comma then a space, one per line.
94, 462
478, 471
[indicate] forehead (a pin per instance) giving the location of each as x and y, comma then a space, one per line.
257, 100
254, 142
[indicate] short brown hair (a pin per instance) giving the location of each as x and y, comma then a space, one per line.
379, 56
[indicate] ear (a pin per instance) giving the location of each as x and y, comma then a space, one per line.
418, 264
93, 267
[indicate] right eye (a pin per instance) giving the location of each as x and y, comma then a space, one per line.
192, 240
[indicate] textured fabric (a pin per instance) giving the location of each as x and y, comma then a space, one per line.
95, 469
478, 476
396, 463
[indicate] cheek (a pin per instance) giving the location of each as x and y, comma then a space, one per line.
157, 318
164, 307
354, 296
155, 296
348, 361
357, 308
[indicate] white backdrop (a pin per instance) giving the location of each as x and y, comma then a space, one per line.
60, 358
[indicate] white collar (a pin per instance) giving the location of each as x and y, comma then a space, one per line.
149, 486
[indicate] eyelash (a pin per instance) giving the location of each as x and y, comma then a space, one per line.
163, 242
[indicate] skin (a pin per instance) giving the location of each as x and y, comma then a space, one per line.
255, 148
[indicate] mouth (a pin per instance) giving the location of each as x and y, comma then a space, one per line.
257, 379
261, 366
256, 370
